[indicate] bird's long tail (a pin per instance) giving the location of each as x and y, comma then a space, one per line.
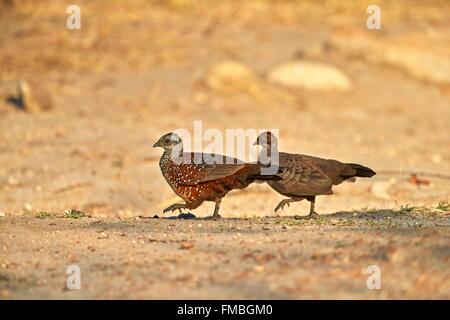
361, 171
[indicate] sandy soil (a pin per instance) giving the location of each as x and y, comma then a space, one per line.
137, 70
255, 258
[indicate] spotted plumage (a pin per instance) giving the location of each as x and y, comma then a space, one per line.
198, 177
305, 177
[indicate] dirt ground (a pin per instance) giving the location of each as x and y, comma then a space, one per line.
253, 258
139, 69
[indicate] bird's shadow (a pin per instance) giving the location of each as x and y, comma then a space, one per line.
378, 217
354, 215
373, 214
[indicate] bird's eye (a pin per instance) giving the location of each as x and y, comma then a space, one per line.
166, 140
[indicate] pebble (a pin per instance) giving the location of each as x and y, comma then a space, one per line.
34, 96
259, 268
186, 245
72, 257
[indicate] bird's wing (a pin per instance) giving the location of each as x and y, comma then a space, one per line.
204, 171
335, 170
301, 177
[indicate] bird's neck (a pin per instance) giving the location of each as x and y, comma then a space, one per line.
173, 154
269, 150
268, 154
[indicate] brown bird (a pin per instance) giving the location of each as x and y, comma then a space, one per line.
305, 177
198, 177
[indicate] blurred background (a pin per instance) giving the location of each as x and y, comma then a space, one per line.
80, 109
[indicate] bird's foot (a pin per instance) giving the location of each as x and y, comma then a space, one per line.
282, 204
214, 217
175, 206
311, 215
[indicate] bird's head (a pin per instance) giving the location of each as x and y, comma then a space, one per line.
266, 140
169, 141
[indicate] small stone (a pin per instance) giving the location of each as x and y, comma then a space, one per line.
103, 235
186, 245
28, 207
34, 97
72, 257
259, 268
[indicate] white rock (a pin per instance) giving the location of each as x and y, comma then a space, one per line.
352, 47
418, 63
230, 76
310, 75
421, 65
